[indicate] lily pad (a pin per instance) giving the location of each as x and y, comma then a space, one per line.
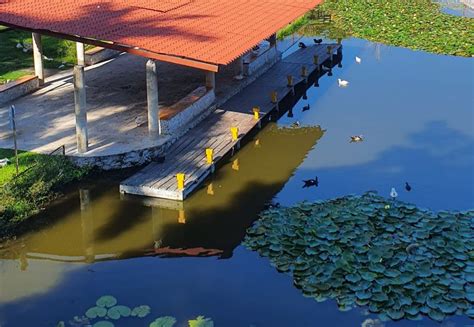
106, 301
201, 321
95, 312
166, 321
141, 311
103, 323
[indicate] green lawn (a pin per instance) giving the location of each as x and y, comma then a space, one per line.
25, 160
40, 181
14, 63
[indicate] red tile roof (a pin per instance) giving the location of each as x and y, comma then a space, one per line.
211, 31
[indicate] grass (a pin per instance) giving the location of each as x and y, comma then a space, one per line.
14, 63
40, 181
414, 24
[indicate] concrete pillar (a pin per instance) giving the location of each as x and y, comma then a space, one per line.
273, 40
210, 80
81, 54
240, 65
38, 57
154, 126
80, 109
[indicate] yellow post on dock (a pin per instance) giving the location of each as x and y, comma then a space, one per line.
274, 97
304, 71
256, 113
209, 155
290, 80
180, 178
235, 133
316, 59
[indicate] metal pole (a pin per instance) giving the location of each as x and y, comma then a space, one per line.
13, 126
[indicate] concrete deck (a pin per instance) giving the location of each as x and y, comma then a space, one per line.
116, 96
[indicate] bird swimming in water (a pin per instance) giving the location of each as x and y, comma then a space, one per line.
407, 187
295, 124
356, 138
342, 83
311, 182
318, 41
306, 108
302, 45
358, 60
393, 193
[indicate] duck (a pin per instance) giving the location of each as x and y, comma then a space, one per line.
306, 108
302, 45
407, 187
61, 66
239, 77
139, 121
358, 60
47, 58
311, 182
342, 83
356, 138
393, 193
295, 124
318, 41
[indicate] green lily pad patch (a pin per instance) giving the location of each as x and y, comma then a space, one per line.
402, 262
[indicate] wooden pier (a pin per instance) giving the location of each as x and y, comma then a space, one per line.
188, 155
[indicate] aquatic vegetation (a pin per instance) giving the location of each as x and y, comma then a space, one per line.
166, 321
201, 321
141, 311
415, 24
106, 301
103, 323
398, 260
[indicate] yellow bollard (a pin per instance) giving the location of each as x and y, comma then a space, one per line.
290, 80
180, 179
210, 189
235, 133
256, 113
304, 71
316, 59
257, 143
274, 97
181, 217
209, 155
235, 165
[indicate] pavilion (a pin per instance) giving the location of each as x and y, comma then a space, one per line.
203, 34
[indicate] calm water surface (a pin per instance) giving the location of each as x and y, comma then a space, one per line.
415, 111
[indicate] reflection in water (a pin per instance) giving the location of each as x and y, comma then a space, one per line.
105, 227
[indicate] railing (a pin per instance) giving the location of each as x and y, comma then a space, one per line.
61, 148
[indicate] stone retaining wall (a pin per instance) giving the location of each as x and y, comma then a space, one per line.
18, 88
98, 54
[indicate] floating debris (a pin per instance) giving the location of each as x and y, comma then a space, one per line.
392, 257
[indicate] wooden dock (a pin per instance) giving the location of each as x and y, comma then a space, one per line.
188, 155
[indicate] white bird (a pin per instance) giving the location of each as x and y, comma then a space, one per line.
393, 193
61, 66
4, 162
239, 77
47, 58
140, 121
19, 45
342, 83
358, 60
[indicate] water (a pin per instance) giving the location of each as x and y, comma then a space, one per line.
457, 7
415, 111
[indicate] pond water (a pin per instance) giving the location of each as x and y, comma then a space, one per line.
463, 8
415, 112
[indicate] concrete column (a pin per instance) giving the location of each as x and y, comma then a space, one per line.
38, 57
80, 109
273, 40
210, 80
240, 63
154, 126
81, 54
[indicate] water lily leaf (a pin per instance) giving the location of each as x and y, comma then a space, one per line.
141, 311
119, 311
95, 312
166, 321
106, 301
103, 323
353, 278
201, 321
436, 315
395, 314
